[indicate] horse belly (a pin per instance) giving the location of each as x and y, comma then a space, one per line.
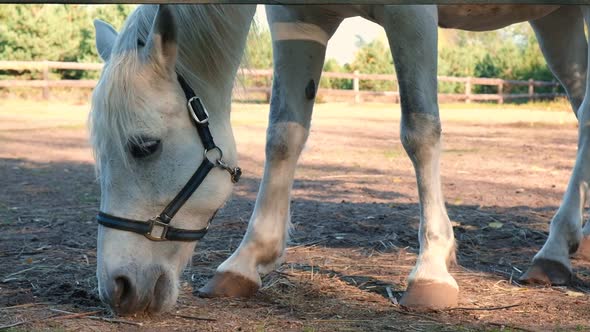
488, 17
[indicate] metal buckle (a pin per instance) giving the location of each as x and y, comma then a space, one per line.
156, 224
192, 110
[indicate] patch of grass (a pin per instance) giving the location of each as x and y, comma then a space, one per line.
19, 329
69, 126
460, 151
247, 122
88, 199
38, 171
454, 328
558, 105
394, 154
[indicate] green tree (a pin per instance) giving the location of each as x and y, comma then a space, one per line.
374, 58
54, 32
258, 54
487, 67
332, 66
41, 32
510, 53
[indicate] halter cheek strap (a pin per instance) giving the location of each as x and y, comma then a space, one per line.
158, 228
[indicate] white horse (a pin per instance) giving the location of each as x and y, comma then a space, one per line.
147, 144
300, 35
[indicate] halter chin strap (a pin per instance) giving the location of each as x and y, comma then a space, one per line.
158, 228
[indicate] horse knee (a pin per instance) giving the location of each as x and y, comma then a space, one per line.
419, 133
285, 141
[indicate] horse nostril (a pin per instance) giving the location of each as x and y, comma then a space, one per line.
161, 290
160, 287
123, 290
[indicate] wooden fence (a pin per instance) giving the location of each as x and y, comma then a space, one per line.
355, 93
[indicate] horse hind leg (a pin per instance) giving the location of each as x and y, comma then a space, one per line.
299, 48
563, 43
551, 265
412, 34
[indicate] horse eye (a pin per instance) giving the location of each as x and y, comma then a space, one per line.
143, 147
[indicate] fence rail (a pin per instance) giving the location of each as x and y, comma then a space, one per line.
356, 93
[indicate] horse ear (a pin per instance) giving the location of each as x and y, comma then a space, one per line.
105, 39
162, 45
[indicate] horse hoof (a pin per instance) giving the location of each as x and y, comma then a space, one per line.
584, 248
228, 284
430, 295
547, 272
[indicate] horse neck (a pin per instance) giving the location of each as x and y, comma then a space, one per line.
210, 50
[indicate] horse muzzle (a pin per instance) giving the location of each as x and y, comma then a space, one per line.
129, 291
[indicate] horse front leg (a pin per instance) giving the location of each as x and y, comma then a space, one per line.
412, 34
299, 45
551, 265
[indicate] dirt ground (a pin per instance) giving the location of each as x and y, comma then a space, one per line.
355, 214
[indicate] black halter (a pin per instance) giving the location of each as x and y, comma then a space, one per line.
158, 228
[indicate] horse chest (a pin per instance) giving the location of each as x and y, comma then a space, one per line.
488, 17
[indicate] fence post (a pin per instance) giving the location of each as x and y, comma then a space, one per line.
45, 80
355, 87
501, 92
468, 90
531, 89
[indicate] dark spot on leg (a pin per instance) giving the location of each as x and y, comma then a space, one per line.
310, 90
268, 256
277, 145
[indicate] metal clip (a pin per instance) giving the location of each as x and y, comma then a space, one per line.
235, 172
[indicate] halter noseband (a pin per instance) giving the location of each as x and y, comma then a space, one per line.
158, 228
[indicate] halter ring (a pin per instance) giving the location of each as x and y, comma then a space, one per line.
215, 148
